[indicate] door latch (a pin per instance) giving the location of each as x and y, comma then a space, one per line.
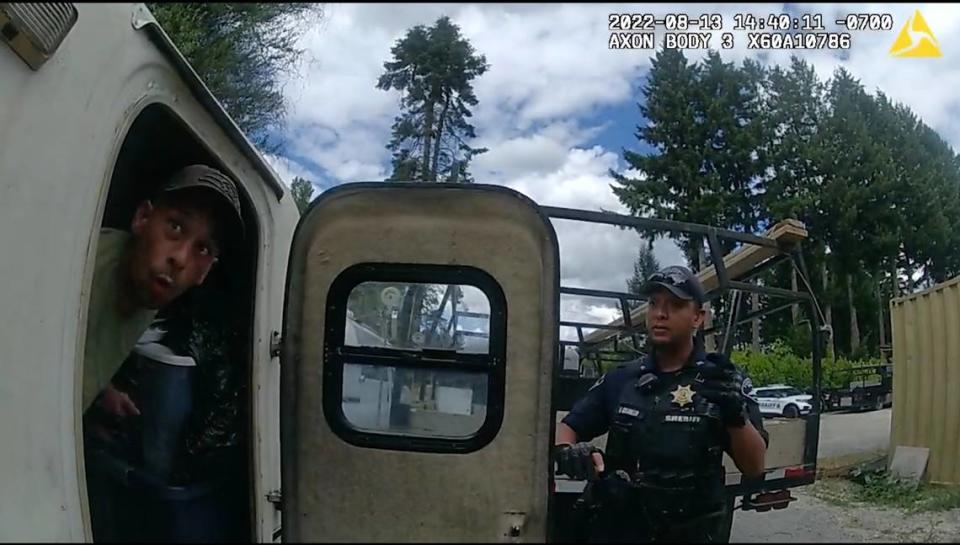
276, 344
276, 498
513, 524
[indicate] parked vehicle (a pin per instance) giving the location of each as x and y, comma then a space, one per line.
783, 400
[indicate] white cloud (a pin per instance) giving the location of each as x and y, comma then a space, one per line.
925, 85
550, 74
287, 169
593, 256
550, 66
546, 64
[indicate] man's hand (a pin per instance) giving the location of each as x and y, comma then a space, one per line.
117, 403
724, 388
581, 461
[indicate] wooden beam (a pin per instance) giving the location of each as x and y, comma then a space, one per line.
738, 263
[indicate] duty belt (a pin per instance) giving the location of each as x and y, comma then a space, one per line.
685, 480
655, 496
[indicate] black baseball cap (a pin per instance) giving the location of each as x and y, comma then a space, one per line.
203, 176
680, 281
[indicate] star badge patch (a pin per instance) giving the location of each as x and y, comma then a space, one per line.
682, 395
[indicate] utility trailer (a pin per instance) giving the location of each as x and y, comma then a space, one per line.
110, 74
866, 388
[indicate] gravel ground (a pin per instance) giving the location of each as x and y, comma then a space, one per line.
810, 519
847, 433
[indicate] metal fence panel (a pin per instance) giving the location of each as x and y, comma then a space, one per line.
926, 377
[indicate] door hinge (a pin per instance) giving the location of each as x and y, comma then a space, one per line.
276, 498
276, 344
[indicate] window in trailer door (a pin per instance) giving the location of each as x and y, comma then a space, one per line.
386, 397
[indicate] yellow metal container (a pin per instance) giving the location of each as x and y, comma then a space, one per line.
926, 377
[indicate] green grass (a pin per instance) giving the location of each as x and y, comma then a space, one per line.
925, 498
879, 488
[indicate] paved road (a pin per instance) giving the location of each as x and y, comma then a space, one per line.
850, 433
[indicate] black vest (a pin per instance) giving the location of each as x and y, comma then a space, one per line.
666, 435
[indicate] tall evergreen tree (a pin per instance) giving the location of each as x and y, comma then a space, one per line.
669, 185
702, 121
743, 148
302, 191
434, 68
793, 112
645, 265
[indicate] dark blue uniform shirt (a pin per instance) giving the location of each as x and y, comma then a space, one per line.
592, 415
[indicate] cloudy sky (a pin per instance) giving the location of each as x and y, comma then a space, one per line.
556, 106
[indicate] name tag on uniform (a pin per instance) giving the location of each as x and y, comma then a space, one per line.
685, 418
629, 411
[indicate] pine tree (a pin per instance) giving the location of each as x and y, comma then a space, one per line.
702, 121
301, 190
433, 67
242, 51
645, 265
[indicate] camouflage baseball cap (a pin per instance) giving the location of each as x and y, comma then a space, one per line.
203, 176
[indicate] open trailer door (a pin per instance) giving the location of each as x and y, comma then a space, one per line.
417, 361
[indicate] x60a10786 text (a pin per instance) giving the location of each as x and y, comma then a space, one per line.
798, 40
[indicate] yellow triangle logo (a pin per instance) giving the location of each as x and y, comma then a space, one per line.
916, 39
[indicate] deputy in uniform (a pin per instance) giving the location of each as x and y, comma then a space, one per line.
670, 416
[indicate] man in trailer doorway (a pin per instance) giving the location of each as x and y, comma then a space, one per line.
175, 240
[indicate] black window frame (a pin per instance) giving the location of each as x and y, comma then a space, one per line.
337, 354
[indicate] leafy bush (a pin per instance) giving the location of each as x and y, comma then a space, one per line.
775, 365
778, 364
878, 486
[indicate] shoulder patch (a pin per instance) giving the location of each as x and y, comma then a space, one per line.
746, 388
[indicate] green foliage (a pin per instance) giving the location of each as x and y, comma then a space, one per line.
434, 68
878, 486
645, 265
778, 364
703, 123
302, 191
743, 147
241, 52
798, 340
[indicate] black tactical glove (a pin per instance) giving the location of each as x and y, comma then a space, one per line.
577, 460
723, 386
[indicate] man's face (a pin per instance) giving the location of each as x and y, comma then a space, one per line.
174, 250
671, 320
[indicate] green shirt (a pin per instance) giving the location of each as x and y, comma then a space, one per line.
110, 336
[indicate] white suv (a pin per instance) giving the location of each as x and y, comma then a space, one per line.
782, 400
